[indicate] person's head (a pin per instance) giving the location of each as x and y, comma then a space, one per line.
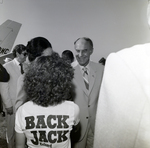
84, 48
48, 81
68, 56
38, 46
19, 52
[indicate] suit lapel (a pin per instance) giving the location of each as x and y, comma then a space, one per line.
91, 79
92, 76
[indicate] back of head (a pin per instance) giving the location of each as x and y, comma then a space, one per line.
36, 46
68, 55
18, 48
48, 81
86, 39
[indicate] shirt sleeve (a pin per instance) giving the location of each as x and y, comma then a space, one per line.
76, 114
21, 94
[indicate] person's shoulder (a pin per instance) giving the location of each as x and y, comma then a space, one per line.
71, 103
76, 70
68, 102
26, 105
73, 106
129, 54
8, 64
135, 48
77, 66
96, 66
139, 46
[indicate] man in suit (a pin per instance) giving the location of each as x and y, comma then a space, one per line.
123, 112
8, 90
87, 80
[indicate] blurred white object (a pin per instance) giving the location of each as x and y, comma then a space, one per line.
7, 60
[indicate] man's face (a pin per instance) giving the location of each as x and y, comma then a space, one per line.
148, 13
83, 52
21, 57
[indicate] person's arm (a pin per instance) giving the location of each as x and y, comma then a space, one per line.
4, 89
75, 133
76, 130
21, 94
6, 99
4, 76
20, 140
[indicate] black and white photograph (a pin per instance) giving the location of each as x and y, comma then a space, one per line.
74, 73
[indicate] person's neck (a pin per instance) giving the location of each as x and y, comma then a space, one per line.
86, 64
19, 61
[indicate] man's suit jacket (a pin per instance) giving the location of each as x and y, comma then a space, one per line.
87, 100
8, 90
123, 112
20, 94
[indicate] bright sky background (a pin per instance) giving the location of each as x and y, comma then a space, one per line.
111, 24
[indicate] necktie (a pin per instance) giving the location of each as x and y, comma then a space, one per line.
21, 67
85, 77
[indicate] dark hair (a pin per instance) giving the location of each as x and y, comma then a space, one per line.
36, 46
18, 48
86, 39
48, 81
68, 55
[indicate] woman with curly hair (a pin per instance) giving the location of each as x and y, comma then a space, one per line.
47, 119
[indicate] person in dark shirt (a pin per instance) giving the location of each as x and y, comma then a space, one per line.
4, 77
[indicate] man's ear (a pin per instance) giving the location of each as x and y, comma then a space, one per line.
17, 54
91, 50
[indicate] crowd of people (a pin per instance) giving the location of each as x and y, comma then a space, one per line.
69, 101
50, 100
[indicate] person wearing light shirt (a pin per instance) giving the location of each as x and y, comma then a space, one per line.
123, 112
8, 89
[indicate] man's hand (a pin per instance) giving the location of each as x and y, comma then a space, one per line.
9, 110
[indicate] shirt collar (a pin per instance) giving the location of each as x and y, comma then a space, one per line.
87, 67
16, 61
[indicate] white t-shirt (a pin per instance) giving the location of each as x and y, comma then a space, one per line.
47, 126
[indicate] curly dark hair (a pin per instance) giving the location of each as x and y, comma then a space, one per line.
48, 81
68, 55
